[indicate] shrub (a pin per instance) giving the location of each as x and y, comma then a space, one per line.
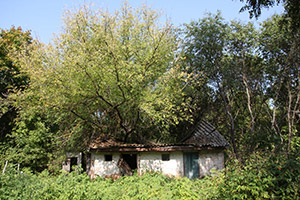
262, 177
258, 178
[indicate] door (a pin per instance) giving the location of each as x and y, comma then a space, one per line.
191, 165
127, 164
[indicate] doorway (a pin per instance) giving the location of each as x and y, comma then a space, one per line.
131, 160
191, 165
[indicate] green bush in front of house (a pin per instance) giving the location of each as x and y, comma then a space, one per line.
258, 178
14, 185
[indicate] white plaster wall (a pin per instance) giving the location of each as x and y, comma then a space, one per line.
151, 161
66, 166
103, 168
209, 160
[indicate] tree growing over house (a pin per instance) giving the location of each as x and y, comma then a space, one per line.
109, 75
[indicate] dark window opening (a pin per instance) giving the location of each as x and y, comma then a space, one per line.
131, 160
74, 162
165, 157
108, 157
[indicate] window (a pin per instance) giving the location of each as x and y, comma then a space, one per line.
108, 157
165, 157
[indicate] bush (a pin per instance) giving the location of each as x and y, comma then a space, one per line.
262, 177
73, 185
248, 182
258, 178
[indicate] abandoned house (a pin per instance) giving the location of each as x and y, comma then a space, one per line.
194, 156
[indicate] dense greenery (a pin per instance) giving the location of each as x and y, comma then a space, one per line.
12, 79
258, 179
129, 77
253, 77
24, 136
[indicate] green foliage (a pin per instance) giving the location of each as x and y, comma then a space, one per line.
254, 7
227, 54
262, 177
109, 75
258, 178
32, 143
247, 182
79, 186
291, 7
286, 173
253, 76
12, 80
11, 41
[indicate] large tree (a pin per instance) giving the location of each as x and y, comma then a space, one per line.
109, 76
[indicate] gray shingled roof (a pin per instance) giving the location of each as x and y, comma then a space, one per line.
205, 135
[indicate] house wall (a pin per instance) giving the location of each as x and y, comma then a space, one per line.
152, 161
100, 167
210, 159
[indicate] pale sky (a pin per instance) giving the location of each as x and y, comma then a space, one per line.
43, 17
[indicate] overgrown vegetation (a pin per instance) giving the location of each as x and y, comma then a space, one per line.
79, 186
128, 77
257, 179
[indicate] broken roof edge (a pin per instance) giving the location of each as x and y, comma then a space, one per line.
156, 148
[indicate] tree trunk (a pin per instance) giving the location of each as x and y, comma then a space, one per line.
230, 118
250, 111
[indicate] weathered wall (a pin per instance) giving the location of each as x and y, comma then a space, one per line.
104, 168
210, 159
152, 161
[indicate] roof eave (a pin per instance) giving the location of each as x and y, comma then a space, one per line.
155, 148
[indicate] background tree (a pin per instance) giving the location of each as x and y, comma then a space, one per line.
280, 48
25, 135
11, 40
11, 81
204, 45
243, 67
292, 10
